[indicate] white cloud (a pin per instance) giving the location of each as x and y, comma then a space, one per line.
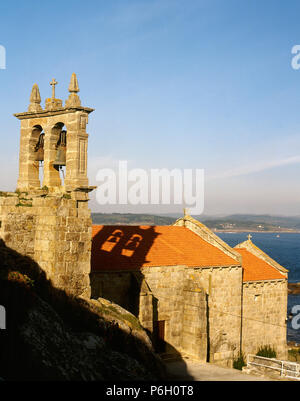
255, 168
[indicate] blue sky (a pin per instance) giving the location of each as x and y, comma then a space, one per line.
175, 84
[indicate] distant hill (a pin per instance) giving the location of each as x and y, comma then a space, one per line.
131, 219
235, 222
247, 222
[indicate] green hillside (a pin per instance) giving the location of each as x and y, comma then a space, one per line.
235, 222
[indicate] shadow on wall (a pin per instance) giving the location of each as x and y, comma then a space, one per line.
51, 335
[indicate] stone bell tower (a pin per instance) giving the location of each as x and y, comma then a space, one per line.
50, 121
50, 220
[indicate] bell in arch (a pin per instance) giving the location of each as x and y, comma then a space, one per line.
61, 146
39, 149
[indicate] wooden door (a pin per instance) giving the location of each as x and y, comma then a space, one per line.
160, 335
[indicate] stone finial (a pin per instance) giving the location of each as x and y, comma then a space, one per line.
249, 237
73, 100
185, 212
73, 87
35, 100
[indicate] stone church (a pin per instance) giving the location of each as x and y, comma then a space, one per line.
193, 293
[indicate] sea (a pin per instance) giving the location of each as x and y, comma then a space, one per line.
285, 249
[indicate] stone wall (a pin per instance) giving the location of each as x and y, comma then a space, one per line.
55, 230
18, 224
202, 309
264, 316
165, 293
114, 286
194, 337
181, 303
127, 289
223, 287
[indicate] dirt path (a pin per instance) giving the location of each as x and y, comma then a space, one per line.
191, 370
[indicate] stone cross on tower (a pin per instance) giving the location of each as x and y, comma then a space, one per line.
53, 83
51, 121
249, 237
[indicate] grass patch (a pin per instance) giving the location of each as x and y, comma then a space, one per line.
20, 278
5, 194
266, 351
294, 355
24, 204
131, 320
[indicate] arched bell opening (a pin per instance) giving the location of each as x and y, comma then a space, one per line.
38, 138
61, 150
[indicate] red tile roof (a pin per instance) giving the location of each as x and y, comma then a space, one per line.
256, 269
132, 247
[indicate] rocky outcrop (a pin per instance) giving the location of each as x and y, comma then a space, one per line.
61, 354
51, 335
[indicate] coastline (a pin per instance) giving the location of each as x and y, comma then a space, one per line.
294, 288
256, 231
